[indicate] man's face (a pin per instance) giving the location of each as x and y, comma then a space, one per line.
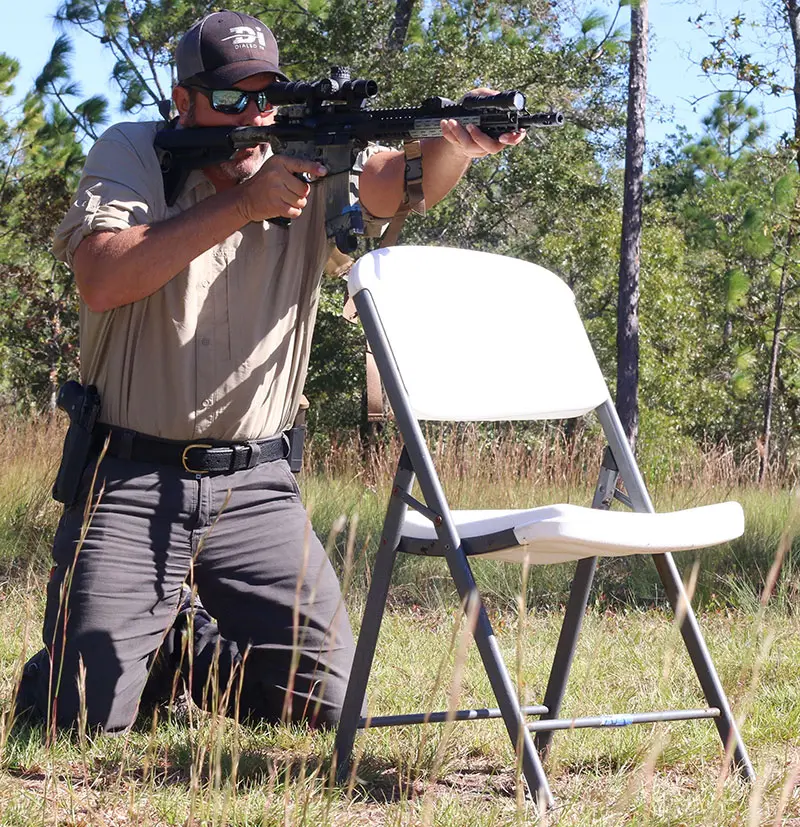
195, 110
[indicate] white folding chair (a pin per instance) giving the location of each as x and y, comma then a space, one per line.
468, 336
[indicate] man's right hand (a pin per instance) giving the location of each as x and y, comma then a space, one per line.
276, 190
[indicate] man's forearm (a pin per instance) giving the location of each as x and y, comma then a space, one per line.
116, 268
382, 185
442, 169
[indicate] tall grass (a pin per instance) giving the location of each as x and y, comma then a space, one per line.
204, 769
501, 467
481, 468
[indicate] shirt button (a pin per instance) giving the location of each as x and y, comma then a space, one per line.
204, 284
206, 403
205, 341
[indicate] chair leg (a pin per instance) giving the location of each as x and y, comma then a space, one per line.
676, 592
371, 622
565, 649
576, 609
456, 559
703, 665
500, 681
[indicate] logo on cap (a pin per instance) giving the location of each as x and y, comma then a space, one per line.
246, 36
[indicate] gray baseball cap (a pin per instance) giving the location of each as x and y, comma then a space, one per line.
225, 47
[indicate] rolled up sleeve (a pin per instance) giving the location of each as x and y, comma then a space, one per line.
112, 195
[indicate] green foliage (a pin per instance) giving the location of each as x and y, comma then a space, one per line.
336, 379
730, 56
718, 217
55, 81
9, 68
785, 190
733, 200
40, 159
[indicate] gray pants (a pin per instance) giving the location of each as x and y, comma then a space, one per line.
246, 541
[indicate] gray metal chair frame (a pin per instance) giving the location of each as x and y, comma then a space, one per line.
416, 462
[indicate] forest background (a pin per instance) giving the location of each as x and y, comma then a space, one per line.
720, 352
719, 367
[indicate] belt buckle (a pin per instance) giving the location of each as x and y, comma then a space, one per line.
186, 451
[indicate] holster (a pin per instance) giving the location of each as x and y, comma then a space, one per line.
296, 436
82, 405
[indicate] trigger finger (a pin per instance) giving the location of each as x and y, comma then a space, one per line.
296, 185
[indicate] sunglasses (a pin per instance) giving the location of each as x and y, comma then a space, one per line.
234, 101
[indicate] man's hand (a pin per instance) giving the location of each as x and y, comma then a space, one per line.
470, 142
444, 162
275, 190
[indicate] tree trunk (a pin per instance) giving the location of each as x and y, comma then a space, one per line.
793, 16
794, 27
769, 396
402, 18
630, 247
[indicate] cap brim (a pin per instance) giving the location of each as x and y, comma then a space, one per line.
225, 76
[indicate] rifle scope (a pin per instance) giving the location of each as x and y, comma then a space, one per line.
299, 91
336, 88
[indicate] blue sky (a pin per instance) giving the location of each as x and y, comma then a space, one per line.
27, 33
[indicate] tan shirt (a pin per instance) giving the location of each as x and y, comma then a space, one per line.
221, 351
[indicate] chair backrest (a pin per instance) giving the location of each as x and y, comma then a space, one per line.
478, 336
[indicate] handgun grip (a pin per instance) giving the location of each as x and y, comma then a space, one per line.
280, 221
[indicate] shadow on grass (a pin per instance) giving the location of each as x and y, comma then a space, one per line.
171, 759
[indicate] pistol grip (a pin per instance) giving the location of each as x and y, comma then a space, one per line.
280, 221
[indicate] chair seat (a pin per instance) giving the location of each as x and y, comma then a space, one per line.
559, 533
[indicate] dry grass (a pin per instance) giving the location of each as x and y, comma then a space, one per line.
541, 454
212, 771
207, 770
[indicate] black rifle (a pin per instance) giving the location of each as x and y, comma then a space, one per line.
328, 121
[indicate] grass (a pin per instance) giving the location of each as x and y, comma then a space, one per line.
200, 769
216, 772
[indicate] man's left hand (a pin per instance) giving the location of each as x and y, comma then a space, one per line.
470, 142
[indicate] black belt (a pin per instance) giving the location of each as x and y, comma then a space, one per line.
200, 457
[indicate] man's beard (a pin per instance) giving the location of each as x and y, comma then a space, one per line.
240, 169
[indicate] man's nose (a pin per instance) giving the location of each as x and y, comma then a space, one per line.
251, 116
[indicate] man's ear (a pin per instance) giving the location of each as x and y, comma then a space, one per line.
182, 101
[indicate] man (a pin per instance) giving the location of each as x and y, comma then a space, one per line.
196, 322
